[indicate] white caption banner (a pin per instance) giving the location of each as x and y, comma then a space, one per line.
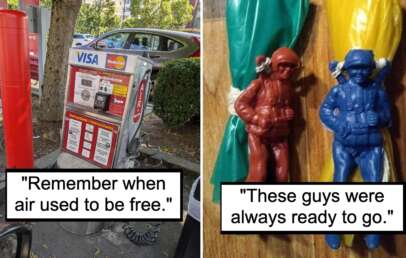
94, 195
311, 207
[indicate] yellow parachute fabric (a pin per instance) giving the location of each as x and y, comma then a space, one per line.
367, 24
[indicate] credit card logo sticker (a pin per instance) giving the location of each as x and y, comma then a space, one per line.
116, 62
88, 58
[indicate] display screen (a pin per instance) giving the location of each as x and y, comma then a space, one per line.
86, 82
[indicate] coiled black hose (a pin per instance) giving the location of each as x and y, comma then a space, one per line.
148, 237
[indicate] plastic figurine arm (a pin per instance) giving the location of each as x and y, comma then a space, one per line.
244, 103
289, 113
384, 115
327, 115
383, 118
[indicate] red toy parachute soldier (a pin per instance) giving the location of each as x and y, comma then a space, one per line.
265, 107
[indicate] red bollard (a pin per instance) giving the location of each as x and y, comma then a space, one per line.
16, 89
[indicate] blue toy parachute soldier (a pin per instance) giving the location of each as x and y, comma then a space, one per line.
356, 110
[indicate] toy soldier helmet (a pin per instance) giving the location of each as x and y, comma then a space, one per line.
284, 55
359, 57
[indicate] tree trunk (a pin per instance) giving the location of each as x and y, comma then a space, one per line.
63, 19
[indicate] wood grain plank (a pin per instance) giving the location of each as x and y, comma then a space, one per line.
309, 140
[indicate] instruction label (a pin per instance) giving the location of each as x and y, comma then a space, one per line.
103, 146
112, 195
312, 207
74, 134
90, 139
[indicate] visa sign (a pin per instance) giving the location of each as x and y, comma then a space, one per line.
88, 58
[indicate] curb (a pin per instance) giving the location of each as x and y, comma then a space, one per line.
46, 161
49, 160
171, 159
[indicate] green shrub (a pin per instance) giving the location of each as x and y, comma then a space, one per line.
177, 93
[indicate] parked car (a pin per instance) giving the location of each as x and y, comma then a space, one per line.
156, 44
81, 39
33, 44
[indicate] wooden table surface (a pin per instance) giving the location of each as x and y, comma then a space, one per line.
310, 139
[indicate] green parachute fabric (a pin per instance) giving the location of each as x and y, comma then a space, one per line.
255, 27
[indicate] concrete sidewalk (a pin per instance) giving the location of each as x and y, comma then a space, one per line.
50, 240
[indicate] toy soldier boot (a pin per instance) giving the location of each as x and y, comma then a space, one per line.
372, 241
333, 240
